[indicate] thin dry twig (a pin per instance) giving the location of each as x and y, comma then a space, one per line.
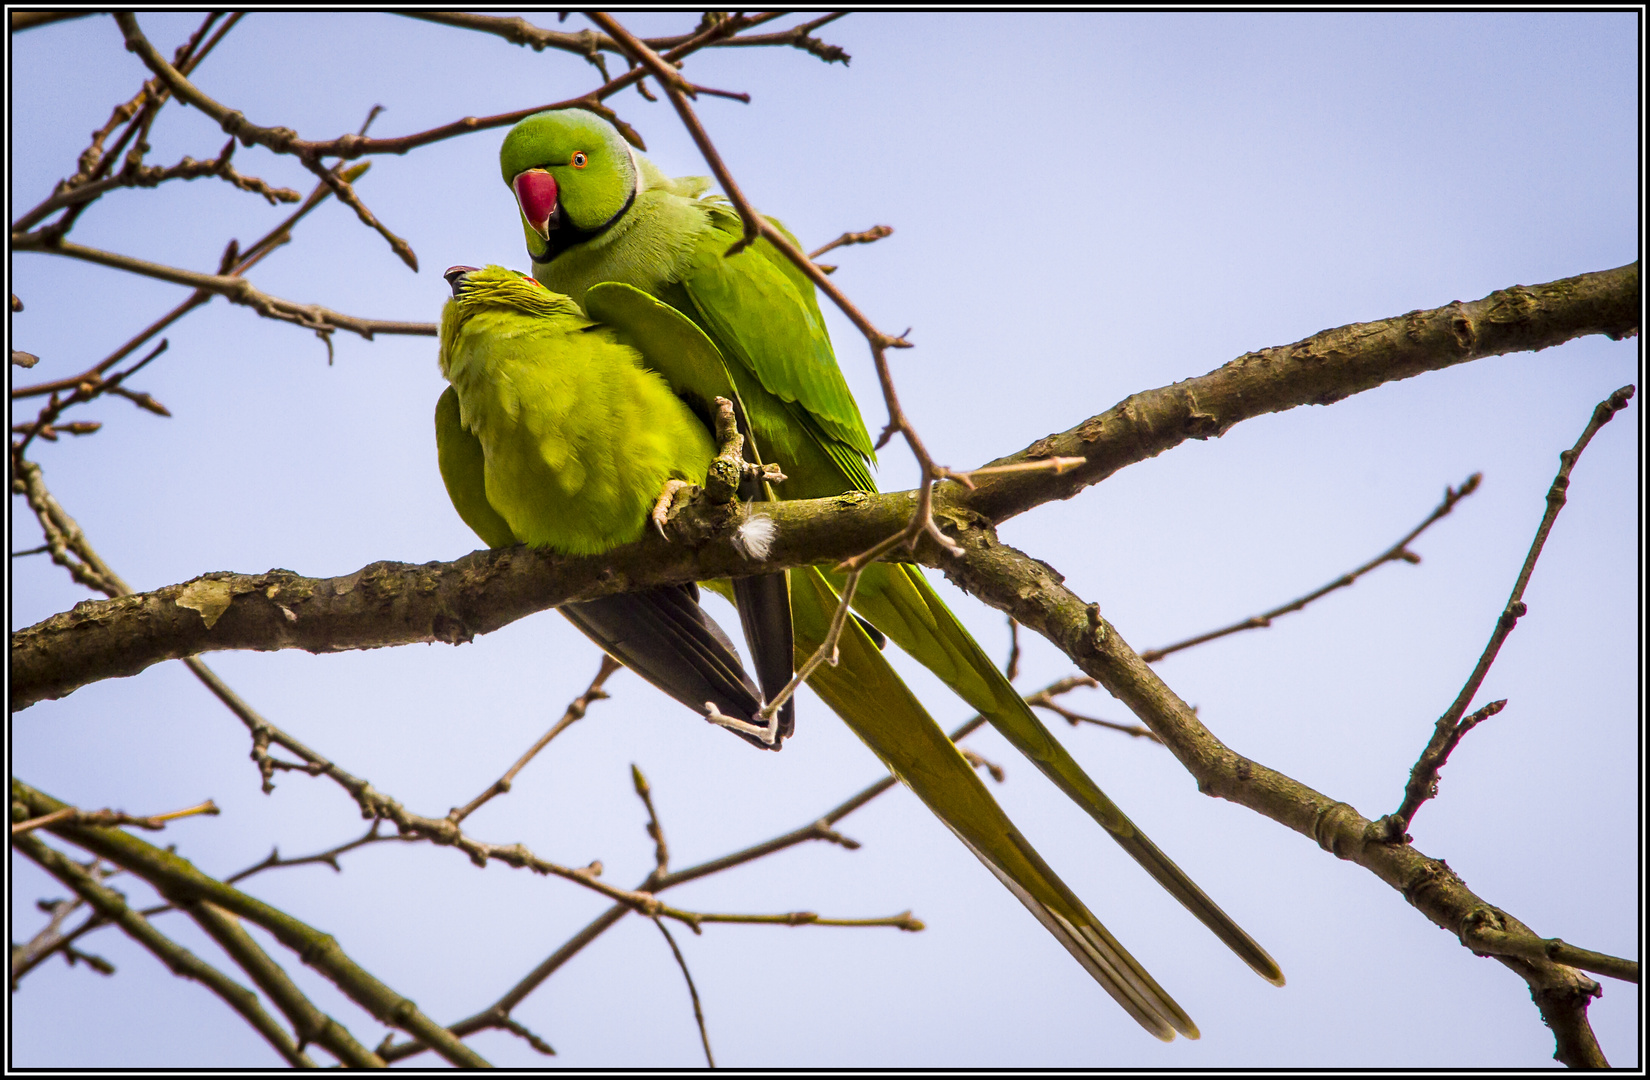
693, 991
1044, 701
45, 425
867, 236
135, 174
138, 114
575, 712
1447, 732
349, 147
237, 290
234, 263
656, 831
73, 816
1398, 552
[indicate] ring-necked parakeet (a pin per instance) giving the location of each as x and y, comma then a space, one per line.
554, 432
534, 386
593, 211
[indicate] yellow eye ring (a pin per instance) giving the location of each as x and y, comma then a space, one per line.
580, 160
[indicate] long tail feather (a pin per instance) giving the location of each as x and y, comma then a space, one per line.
764, 604
901, 602
870, 697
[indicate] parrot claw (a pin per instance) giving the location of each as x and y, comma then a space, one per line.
661, 505
768, 733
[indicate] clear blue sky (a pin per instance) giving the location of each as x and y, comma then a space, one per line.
1085, 205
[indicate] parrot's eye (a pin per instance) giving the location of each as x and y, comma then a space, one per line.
580, 160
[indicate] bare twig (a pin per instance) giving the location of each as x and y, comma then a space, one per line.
349, 147
45, 424
138, 114
235, 263
72, 816
656, 831
693, 992
1011, 670
1044, 700
575, 712
868, 236
590, 45
236, 289
1423, 777
148, 176
519, 1030
1398, 552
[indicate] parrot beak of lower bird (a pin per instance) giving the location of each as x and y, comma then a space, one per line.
455, 276
537, 196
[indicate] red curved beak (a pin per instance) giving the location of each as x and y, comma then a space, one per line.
536, 194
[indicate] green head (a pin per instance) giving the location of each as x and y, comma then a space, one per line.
573, 175
498, 288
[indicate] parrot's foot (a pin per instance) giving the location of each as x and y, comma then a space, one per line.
661, 505
768, 733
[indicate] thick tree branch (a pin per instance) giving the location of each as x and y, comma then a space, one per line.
1320, 370
397, 604
1033, 593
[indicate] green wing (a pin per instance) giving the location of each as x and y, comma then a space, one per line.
670, 344
463, 470
875, 703
772, 328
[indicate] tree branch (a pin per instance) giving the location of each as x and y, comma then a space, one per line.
180, 882
1447, 733
396, 604
112, 906
1398, 552
1033, 593
1319, 370
311, 1024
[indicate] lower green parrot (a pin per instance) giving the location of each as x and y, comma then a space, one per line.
560, 431
595, 211
553, 433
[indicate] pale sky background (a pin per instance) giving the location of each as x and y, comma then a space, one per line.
1085, 205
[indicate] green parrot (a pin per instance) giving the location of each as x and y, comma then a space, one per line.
559, 431
595, 211
553, 433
